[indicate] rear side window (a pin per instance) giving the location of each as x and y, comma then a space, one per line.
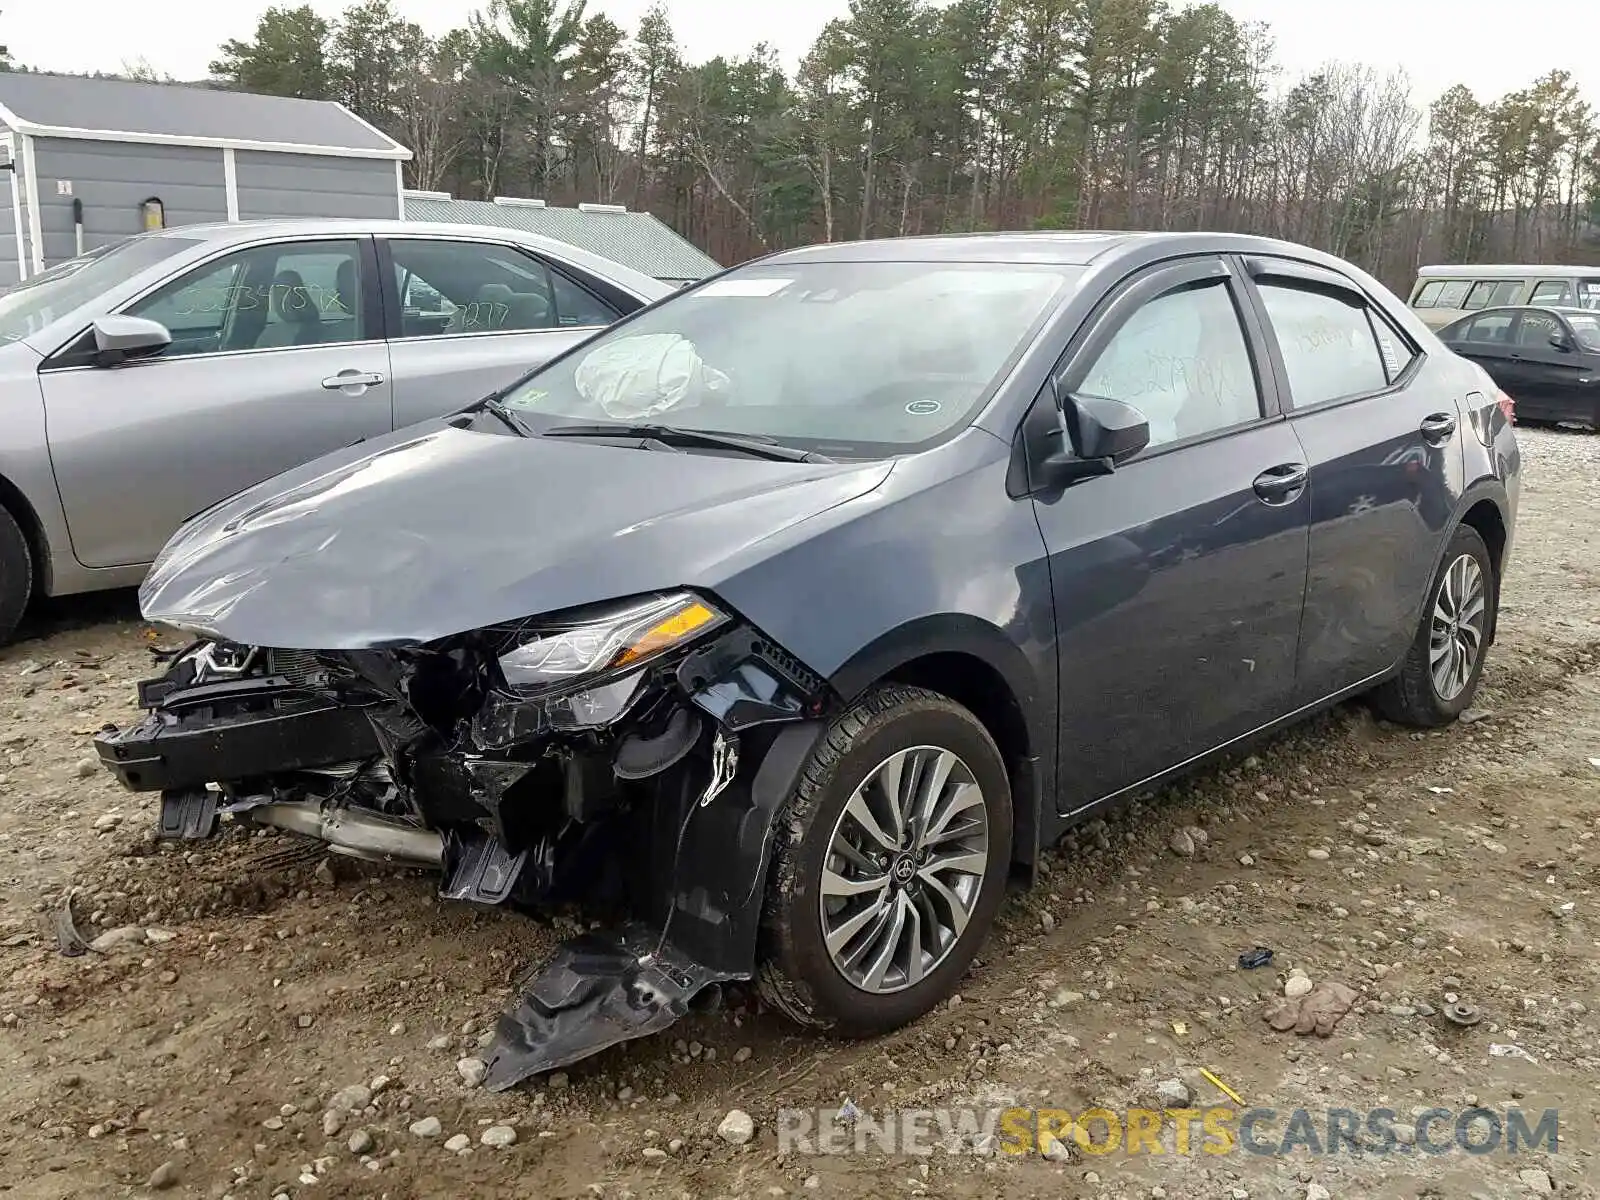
1552, 291
1491, 327
1329, 348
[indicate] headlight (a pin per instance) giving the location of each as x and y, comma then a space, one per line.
611, 640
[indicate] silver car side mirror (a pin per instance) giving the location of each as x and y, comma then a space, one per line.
118, 339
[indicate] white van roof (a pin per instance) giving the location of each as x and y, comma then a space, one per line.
1503, 271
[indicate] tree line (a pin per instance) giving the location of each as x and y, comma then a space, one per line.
908, 117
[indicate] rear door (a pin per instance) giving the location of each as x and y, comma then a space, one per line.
469, 317
1381, 426
276, 358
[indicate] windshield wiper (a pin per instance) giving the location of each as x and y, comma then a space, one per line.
672, 435
510, 419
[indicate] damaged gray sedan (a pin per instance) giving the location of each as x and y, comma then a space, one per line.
789, 618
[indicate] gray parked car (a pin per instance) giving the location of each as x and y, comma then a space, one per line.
145, 381
790, 615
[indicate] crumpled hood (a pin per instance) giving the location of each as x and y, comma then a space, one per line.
436, 530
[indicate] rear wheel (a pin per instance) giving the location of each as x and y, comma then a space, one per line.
1442, 670
890, 864
16, 575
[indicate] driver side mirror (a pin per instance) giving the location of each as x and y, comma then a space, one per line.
1104, 434
120, 339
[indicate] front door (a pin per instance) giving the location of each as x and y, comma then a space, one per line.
275, 359
1382, 429
1178, 579
1553, 384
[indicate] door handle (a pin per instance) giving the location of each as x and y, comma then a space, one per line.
1281, 484
1438, 428
345, 379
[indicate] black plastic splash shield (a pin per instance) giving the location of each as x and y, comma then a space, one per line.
595, 992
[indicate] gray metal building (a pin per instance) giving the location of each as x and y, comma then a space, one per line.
92, 161
634, 239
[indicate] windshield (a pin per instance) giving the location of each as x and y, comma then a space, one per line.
1586, 328
31, 305
859, 359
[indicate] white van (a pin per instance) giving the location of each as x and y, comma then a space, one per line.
1443, 294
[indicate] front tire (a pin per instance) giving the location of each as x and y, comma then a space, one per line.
16, 575
1442, 670
890, 864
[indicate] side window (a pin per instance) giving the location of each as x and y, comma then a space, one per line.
267, 297
1452, 294
1478, 297
470, 287
1551, 291
1536, 329
1428, 295
575, 305
1506, 292
1328, 346
195, 308
1182, 361
1491, 327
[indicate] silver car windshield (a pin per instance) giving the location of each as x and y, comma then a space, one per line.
853, 358
31, 305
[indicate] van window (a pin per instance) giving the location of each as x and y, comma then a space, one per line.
1589, 293
1506, 292
1478, 297
1453, 293
1552, 291
1428, 294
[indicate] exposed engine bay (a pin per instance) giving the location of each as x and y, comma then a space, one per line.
628, 758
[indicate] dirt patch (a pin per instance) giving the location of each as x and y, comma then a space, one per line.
1405, 865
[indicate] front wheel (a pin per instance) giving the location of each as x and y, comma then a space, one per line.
1441, 672
890, 865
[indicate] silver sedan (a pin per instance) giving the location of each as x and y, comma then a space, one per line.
145, 381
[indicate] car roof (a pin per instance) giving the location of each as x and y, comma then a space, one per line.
1064, 248
222, 233
1512, 309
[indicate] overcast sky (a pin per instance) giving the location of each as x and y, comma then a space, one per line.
1438, 42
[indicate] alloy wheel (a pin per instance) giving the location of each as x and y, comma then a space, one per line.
904, 869
1456, 636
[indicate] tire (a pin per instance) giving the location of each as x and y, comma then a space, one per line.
799, 975
16, 575
1415, 696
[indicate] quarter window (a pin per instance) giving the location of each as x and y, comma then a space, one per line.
1183, 362
267, 297
1328, 345
470, 287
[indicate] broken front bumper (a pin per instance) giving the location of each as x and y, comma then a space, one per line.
668, 810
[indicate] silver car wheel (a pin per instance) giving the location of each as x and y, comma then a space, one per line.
904, 869
1456, 637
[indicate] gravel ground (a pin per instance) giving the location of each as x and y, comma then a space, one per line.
275, 1025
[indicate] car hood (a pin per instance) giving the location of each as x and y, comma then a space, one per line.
439, 529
